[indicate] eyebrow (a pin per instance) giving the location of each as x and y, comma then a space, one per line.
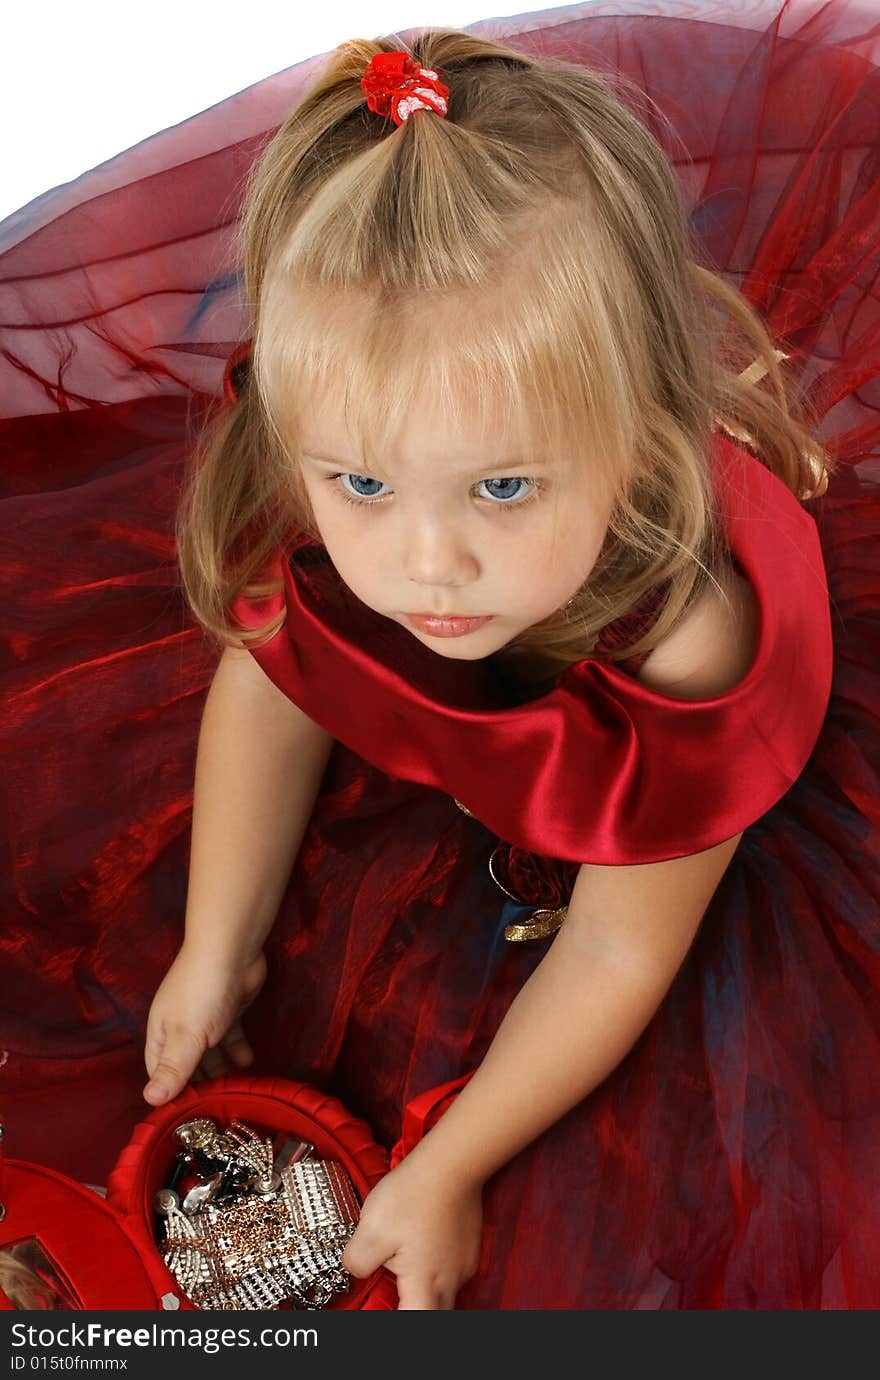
510, 466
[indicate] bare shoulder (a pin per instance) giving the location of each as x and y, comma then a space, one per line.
712, 646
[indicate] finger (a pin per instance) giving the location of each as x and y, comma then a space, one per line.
237, 1047
153, 1046
362, 1255
179, 1056
154, 1041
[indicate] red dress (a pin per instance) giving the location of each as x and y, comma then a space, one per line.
729, 1161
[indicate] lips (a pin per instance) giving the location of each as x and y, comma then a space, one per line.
453, 625
448, 617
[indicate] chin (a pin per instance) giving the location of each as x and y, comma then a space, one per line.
456, 652
468, 648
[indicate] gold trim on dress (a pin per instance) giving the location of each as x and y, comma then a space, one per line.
518, 899
537, 925
542, 921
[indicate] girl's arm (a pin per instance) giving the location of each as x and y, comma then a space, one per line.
259, 767
625, 935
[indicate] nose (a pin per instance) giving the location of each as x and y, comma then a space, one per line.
437, 555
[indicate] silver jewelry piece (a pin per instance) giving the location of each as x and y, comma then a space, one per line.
202, 1193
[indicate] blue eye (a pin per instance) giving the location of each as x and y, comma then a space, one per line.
359, 494
506, 496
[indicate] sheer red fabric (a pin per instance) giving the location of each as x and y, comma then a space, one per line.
729, 1160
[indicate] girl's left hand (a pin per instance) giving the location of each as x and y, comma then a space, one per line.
425, 1229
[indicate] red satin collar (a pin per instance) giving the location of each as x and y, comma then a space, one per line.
601, 768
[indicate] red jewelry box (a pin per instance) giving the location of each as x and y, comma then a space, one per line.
95, 1253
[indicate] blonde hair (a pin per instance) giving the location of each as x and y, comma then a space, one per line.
538, 229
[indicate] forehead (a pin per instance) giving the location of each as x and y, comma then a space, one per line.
416, 386
429, 434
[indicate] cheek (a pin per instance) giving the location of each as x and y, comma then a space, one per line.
562, 560
350, 548
333, 518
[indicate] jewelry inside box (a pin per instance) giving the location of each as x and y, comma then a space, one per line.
246, 1226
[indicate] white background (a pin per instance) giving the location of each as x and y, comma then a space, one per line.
83, 80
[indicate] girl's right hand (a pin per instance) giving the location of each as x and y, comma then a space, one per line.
195, 1010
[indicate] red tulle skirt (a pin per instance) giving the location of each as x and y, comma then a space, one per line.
730, 1160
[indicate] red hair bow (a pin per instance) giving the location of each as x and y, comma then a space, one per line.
396, 85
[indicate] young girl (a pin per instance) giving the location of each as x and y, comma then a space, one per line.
522, 797
482, 383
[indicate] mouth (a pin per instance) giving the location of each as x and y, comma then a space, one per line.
451, 625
